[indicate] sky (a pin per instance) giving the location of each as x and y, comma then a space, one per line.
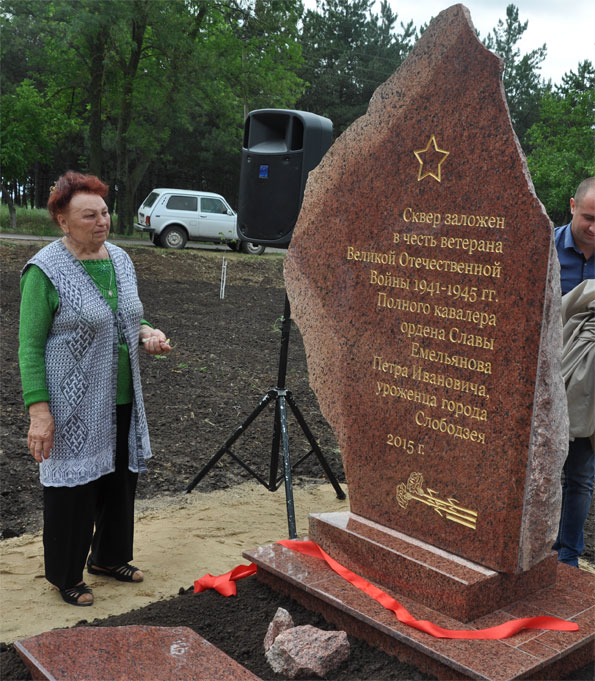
567, 28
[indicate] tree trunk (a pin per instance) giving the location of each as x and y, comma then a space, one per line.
11, 209
134, 179
35, 200
97, 48
124, 200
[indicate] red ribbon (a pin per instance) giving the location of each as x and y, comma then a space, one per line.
225, 585
309, 548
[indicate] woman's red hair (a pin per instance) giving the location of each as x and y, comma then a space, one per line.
68, 185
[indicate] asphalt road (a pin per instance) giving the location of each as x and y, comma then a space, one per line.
134, 242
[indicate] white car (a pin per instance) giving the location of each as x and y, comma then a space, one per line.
174, 216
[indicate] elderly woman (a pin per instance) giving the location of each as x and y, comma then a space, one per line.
79, 339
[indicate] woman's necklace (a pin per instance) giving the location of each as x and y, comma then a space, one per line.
110, 293
69, 246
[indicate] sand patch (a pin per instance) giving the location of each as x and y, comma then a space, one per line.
177, 540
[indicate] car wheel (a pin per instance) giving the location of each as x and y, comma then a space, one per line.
252, 249
174, 237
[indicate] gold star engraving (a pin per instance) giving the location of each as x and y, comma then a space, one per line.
430, 160
449, 508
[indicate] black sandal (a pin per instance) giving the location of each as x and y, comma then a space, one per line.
123, 573
72, 594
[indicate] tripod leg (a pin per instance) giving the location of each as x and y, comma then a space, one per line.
274, 467
235, 435
315, 448
287, 468
280, 390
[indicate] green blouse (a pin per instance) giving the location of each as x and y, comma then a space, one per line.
39, 302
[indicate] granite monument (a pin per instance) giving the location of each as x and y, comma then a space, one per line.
423, 279
420, 275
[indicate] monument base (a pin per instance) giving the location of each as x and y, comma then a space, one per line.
439, 579
528, 654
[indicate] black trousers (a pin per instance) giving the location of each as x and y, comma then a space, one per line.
98, 516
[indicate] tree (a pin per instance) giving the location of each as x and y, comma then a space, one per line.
248, 59
30, 131
270, 54
150, 61
523, 85
65, 45
152, 85
349, 51
561, 142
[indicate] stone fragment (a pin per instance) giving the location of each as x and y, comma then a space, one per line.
305, 651
282, 621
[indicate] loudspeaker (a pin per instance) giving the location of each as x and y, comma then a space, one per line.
280, 148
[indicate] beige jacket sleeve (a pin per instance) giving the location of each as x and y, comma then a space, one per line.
578, 357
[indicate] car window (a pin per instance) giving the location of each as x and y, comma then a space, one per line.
150, 200
176, 202
210, 205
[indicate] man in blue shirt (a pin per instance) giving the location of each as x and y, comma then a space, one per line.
575, 244
575, 241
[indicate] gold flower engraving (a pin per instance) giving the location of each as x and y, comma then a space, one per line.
448, 509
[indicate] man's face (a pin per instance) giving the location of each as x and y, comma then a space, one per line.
583, 223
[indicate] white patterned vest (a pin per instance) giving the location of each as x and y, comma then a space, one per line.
81, 360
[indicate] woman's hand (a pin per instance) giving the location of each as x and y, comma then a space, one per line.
41, 431
153, 341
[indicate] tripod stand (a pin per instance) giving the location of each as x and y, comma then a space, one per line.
282, 398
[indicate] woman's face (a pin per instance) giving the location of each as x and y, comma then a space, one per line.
85, 220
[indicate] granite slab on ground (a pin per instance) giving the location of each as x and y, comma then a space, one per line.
131, 653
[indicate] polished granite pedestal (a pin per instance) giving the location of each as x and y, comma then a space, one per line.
528, 654
439, 579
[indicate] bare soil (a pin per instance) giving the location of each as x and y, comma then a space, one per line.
226, 357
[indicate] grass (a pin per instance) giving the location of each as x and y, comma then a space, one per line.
29, 221
37, 221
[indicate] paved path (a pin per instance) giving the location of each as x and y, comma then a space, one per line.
133, 242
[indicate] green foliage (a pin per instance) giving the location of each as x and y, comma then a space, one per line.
139, 84
30, 130
248, 60
561, 142
523, 85
270, 54
149, 93
349, 51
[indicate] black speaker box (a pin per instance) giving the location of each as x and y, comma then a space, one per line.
280, 148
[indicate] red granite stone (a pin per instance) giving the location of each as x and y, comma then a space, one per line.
441, 580
529, 654
421, 276
308, 652
134, 653
282, 621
